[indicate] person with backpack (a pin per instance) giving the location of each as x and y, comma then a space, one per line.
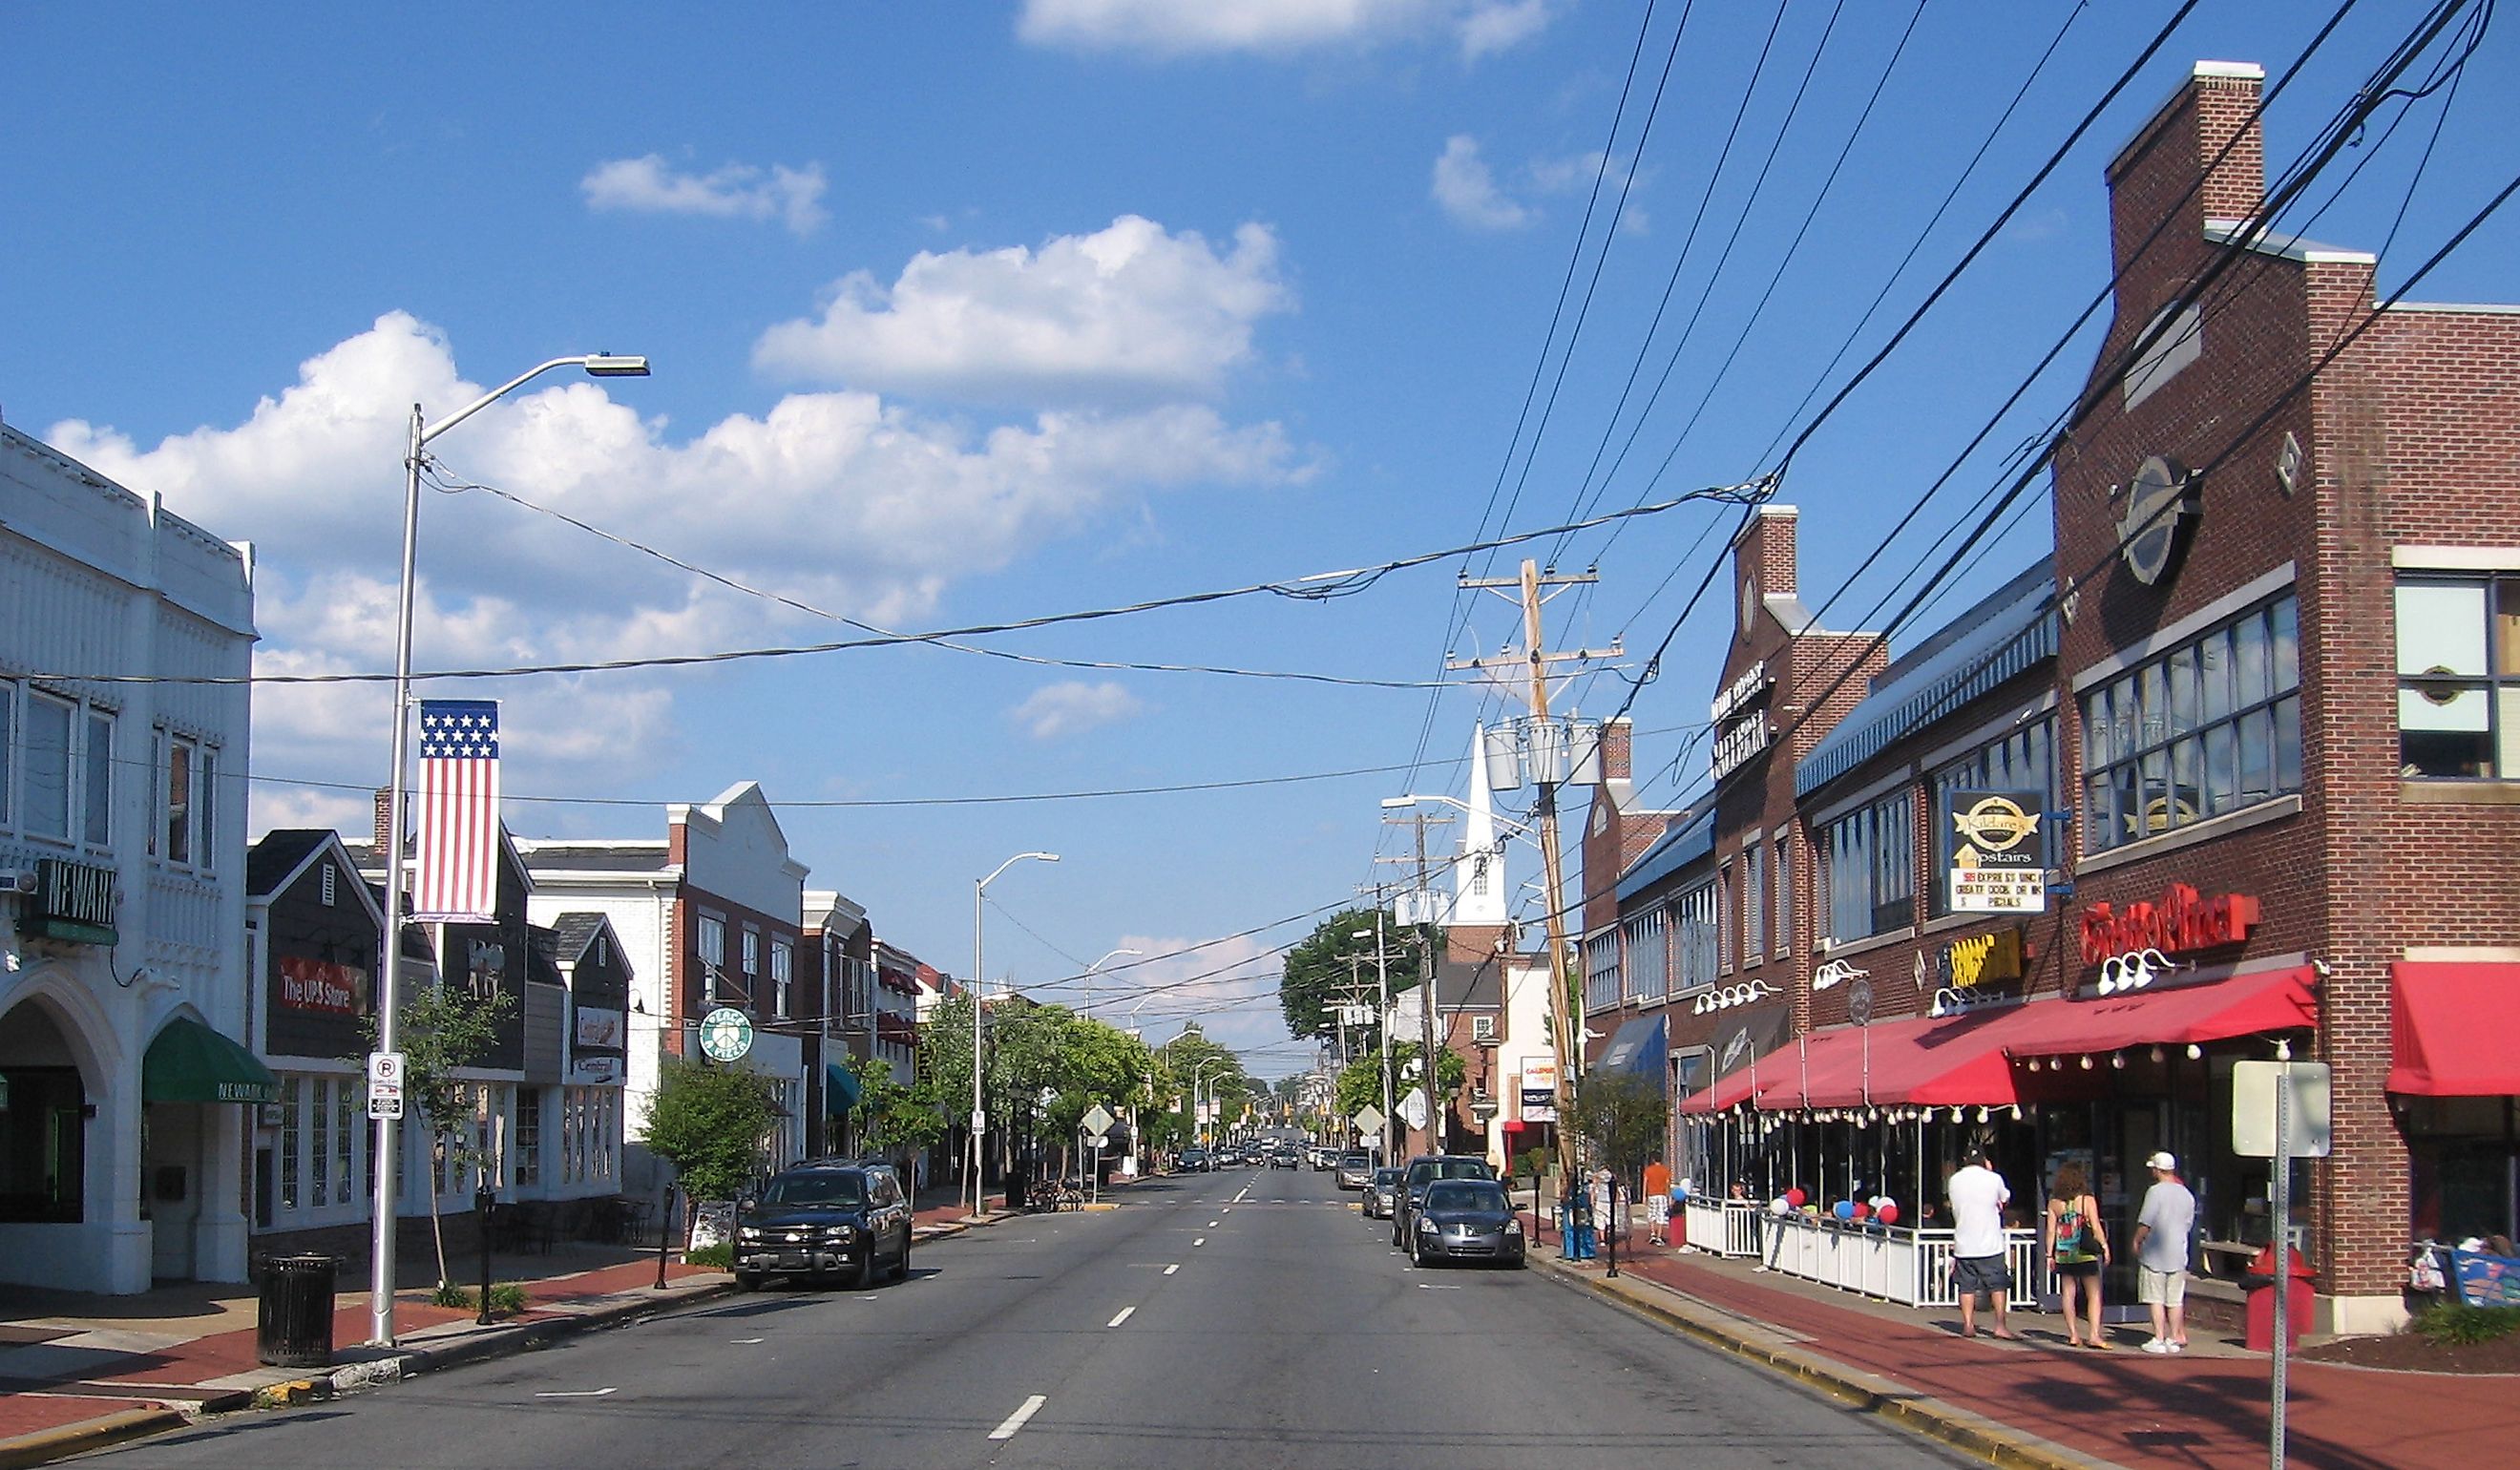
2078, 1248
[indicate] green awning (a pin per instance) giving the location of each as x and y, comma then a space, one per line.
189, 1062
841, 1090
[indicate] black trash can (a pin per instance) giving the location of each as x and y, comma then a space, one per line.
292, 1329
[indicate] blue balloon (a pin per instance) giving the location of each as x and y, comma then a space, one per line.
1846, 1209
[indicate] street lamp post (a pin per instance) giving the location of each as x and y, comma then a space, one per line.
1087, 1012
380, 1274
980, 987
1382, 1020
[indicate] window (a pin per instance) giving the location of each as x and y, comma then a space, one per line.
179, 801
2459, 677
2211, 727
2022, 761
345, 1137
752, 957
1754, 903
185, 770
1601, 970
1724, 931
1693, 919
1645, 960
97, 790
782, 969
1871, 856
291, 1138
1784, 893
319, 1153
711, 940
48, 766
1483, 1028
8, 744
529, 1135
332, 896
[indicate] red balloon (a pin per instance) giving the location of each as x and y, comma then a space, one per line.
1795, 1197
1863, 1210
1889, 1214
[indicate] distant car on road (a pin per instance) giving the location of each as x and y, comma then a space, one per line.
1353, 1171
1195, 1160
1282, 1158
1425, 1170
820, 1221
1465, 1220
1383, 1192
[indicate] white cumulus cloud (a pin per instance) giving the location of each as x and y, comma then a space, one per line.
1276, 28
1467, 190
738, 191
842, 500
1130, 311
1073, 707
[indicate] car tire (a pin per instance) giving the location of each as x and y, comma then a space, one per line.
748, 1280
863, 1276
901, 1267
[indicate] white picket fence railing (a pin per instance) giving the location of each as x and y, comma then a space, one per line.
1889, 1262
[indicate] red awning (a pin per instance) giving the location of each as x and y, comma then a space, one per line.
2452, 1028
2266, 1003
1924, 1060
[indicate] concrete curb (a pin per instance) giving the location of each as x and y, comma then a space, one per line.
1972, 1434
46, 1446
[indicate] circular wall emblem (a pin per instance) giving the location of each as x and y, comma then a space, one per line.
1859, 1003
726, 1034
2155, 524
1749, 602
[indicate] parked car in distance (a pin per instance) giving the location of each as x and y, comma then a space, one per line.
824, 1219
1353, 1171
1382, 1189
1465, 1220
1425, 1170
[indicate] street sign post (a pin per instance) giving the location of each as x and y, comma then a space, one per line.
2279, 1110
1368, 1120
384, 1085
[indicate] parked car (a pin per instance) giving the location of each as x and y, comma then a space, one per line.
1352, 1171
1381, 1190
822, 1221
1425, 1170
1465, 1220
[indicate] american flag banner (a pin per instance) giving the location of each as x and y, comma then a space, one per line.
457, 820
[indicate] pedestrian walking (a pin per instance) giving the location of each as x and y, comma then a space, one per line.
2161, 1235
2078, 1248
1657, 1202
1978, 1195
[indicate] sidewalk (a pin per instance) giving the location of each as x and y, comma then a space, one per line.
2037, 1402
79, 1372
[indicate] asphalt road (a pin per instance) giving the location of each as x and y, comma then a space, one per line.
1218, 1322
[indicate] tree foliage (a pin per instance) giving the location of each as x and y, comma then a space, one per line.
1189, 1059
1622, 1115
1361, 1082
444, 1028
713, 1123
893, 1120
1332, 961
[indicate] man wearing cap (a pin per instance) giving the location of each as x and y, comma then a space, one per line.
1978, 1195
2161, 1234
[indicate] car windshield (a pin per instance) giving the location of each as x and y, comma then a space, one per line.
815, 1189
1449, 1169
1466, 1194
1386, 1176
1355, 1160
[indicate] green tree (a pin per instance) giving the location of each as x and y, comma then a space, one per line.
1333, 962
713, 1123
892, 1119
1192, 1058
1622, 1115
1361, 1082
444, 1028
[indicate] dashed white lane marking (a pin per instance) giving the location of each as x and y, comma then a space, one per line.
1125, 1314
744, 1340
1213, 1223
1169, 1270
1201, 1240
574, 1393
1015, 1420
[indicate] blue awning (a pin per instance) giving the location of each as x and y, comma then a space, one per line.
1637, 1047
2006, 634
840, 1091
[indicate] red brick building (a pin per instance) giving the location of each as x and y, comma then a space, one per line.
2265, 705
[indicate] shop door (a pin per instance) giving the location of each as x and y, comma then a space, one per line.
170, 1184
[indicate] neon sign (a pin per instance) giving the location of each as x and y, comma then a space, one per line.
2183, 919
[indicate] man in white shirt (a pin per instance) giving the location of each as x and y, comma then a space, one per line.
1978, 1195
2161, 1234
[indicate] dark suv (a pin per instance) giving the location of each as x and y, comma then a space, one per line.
822, 1220
1425, 1170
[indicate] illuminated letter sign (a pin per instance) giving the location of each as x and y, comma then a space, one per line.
2183, 919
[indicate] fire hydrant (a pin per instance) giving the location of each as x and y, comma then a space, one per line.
2260, 1280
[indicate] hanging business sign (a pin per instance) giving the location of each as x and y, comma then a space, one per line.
1539, 1090
597, 1026
72, 902
2183, 919
1999, 865
1740, 719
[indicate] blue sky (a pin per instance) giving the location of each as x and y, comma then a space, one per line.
979, 312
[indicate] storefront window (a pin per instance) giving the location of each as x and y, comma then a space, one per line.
529, 1135
1871, 867
2211, 727
2459, 677
345, 1137
2021, 761
291, 1137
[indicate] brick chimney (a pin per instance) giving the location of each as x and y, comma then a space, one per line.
2215, 109
1763, 556
382, 833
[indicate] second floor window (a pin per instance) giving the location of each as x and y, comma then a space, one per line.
2211, 727
1645, 960
57, 754
1871, 867
2022, 761
1754, 903
782, 967
1696, 920
2459, 677
709, 938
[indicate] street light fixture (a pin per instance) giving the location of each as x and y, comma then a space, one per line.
380, 1276
1089, 977
980, 987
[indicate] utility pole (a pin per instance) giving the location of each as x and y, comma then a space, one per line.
1427, 1055
1566, 997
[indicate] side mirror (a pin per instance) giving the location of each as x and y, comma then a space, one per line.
744, 1204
